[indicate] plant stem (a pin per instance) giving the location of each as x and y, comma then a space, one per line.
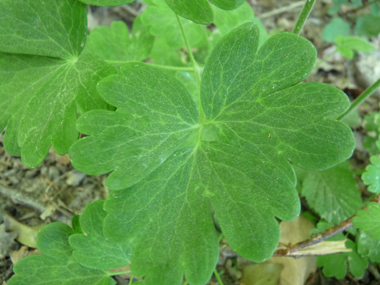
184, 283
317, 238
303, 16
318, 64
119, 272
195, 65
358, 101
218, 277
130, 280
175, 68
196, 68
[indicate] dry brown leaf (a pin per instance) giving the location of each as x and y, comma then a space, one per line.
295, 271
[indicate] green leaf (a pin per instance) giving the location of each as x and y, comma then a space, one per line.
200, 11
335, 265
53, 28
226, 21
75, 224
369, 221
163, 23
347, 45
371, 176
39, 94
353, 119
368, 25
56, 265
93, 250
115, 43
158, 115
106, 2
183, 166
337, 27
164, 54
368, 246
332, 193
227, 4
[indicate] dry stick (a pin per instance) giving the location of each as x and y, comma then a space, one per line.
320, 237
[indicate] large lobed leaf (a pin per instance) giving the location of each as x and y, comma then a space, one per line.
369, 220
44, 75
175, 164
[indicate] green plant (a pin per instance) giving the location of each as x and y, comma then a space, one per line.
192, 140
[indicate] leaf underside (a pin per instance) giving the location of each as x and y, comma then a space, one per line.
175, 164
44, 76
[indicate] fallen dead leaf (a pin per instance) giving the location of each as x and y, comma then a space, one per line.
295, 271
25, 234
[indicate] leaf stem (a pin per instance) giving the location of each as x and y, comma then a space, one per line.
303, 16
358, 101
320, 237
130, 280
218, 277
119, 272
175, 68
196, 68
318, 64
190, 53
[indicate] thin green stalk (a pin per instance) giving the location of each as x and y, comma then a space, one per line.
218, 277
175, 68
358, 101
196, 68
195, 65
119, 272
318, 64
184, 283
130, 280
303, 16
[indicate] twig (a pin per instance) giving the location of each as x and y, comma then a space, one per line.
290, 7
22, 199
320, 237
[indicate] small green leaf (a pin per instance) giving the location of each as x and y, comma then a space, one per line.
347, 45
106, 2
336, 27
75, 224
368, 246
115, 43
368, 25
56, 266
332, 193
227, 4
371, 176
226, 21
52, 240
163, 23
198, 11
93, 250
369, 221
